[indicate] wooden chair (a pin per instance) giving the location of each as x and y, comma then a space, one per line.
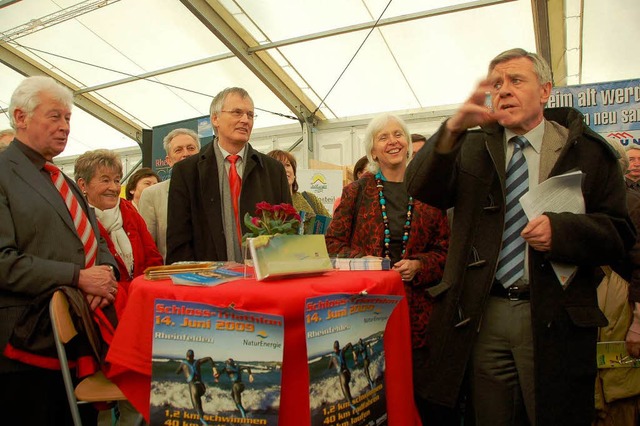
95, 388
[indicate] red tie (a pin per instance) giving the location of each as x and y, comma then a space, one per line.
235, 182
80, 220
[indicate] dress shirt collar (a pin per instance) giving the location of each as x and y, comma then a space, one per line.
225, 153
534, 136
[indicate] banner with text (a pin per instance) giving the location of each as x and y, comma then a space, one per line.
611, 109
215, 366
345, 351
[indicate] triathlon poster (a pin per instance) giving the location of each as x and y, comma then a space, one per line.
215, 366
346, 358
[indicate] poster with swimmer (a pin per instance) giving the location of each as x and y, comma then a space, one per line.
345, 351
215, 366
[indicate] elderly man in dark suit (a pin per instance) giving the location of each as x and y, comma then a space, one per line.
528, 342
210, 193
40, 246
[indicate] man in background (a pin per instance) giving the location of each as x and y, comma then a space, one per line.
211, 192
527, 339
178, 144
41, 247
418, 142
632, 178
6, 136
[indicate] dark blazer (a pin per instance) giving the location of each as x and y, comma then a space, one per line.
194, 221
564, 322
428, 242
39, 246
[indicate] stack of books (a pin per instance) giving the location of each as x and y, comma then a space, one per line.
196, 273
361, 264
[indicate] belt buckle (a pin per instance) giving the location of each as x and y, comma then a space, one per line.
513, 293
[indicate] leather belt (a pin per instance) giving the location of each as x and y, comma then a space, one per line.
517, 291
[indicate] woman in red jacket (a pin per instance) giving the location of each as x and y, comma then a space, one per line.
377, 217
98, 174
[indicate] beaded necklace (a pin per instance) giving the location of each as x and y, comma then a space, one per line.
385, 220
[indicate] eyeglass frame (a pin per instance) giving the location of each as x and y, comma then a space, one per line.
238, 113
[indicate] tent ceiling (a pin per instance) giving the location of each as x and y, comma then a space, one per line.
140, 63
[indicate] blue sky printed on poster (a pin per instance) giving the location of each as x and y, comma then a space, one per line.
347, 379
253, 342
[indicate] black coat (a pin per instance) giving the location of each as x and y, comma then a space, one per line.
564, 322
194, 217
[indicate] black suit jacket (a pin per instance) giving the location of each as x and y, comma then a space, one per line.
194, 219
39, 246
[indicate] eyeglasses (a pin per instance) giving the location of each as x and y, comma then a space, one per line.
238, 113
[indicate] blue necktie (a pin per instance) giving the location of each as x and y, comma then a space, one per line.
511, 261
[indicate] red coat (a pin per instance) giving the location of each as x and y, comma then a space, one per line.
145, 252
428, 242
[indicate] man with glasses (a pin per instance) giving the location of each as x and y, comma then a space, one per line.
210, 193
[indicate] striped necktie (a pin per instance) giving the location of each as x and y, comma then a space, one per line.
511, 261
80, 219
235, 183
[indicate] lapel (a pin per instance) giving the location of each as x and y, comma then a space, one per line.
27, 172
209, 184
251, 162
494, 144
554, 139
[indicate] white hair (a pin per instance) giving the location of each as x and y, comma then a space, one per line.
166, 142
27, 95
374, 127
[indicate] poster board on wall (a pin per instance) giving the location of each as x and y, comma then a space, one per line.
324, 184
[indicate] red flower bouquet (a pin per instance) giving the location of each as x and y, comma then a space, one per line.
271, 220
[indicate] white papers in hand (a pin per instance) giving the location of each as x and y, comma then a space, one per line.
557, 194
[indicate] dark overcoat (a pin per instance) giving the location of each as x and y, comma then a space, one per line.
470, 178
194, 219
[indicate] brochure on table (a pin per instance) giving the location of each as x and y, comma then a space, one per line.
345, 344
233, 351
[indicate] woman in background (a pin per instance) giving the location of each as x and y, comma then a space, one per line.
140, 180
98, 174
360, 167
391, 224
303, 201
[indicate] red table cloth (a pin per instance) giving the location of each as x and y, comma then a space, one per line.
129, 356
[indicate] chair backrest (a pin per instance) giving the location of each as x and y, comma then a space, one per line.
60, 317
63, 331
94, 388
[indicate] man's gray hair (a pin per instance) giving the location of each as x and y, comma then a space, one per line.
374, 127
218, 101
166, 142
540, 66
27, 95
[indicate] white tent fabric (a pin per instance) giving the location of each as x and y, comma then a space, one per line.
409, 66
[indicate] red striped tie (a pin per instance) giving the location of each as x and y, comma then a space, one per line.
235, 182
80, 220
